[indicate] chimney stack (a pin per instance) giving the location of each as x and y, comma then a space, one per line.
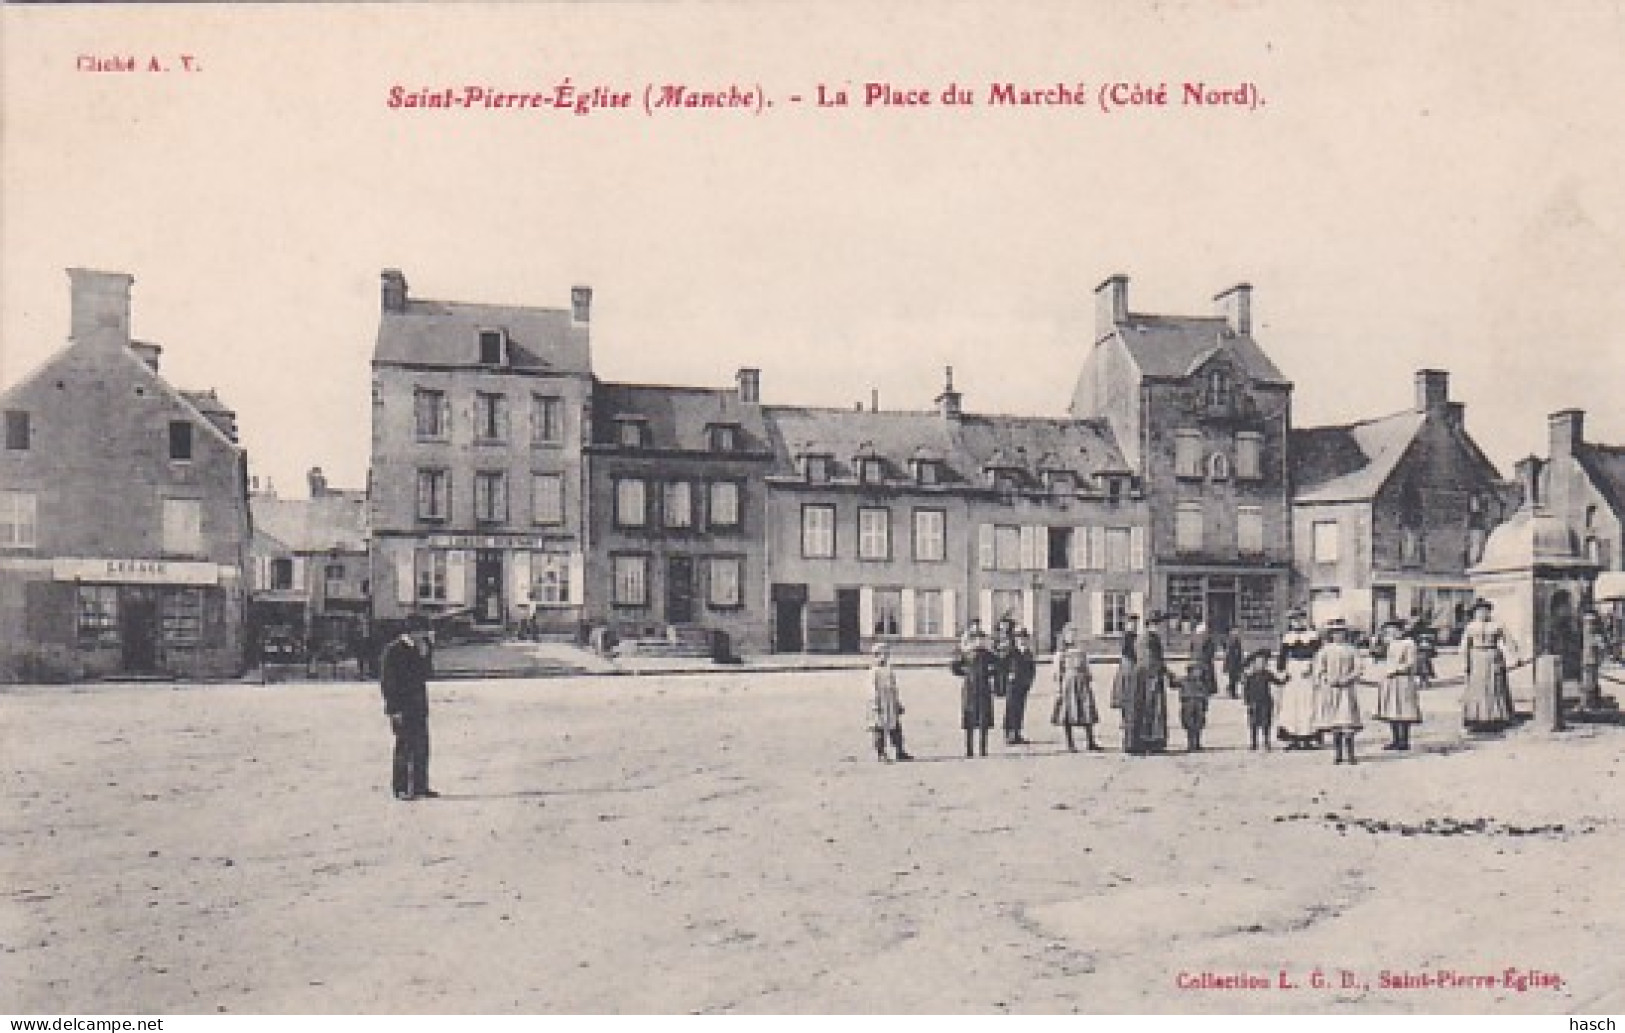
948, 402
1111, 304
1455, 414
318, 482
1432, 392
148, 352
874, 399
101, 306
394, 290
750, 385
580, 305
1236, 306
1565, 433
1527, 471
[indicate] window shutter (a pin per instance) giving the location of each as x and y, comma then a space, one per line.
519, 578
908, 629
262, 572
987, 610
950, 612
1029, 611
866, 611
1136, 603
457, 577
406, 589
1080, 548
1097, 548
985, 541
1029, 548
298, 573
1136, 548
1097, 614
578, 578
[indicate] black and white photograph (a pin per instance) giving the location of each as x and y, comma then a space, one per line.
1104, 508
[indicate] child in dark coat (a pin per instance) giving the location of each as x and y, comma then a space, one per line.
1258, 690
1194, 690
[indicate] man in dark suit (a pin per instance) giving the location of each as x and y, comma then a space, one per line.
1021, 666
403, 675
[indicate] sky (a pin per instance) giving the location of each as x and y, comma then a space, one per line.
1424, 185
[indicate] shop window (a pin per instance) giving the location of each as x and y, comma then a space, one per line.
98, 614
183, 616
431, 570
550, 579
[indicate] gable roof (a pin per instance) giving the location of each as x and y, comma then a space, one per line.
335, 520
1176, 346
446, 333
1605, 465
676, 417
1352, 462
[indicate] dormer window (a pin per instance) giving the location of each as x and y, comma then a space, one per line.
927, 471
1001, 478
629, 433
1114, 488
1060, 482
493, 348
1219, 392
815, 469
724, 437
872, 470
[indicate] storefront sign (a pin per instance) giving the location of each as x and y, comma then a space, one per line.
534, 542
115, 571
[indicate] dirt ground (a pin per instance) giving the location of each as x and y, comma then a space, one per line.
729, 843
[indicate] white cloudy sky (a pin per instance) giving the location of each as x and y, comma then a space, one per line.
1432, 184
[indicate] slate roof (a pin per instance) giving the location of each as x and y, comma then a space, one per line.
1350, 463
1605, 465
966, 446
335, 520
1176, 346
676, 417
446, 333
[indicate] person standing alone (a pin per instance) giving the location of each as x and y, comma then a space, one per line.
403, 676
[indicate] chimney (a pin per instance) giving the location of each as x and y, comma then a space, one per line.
948, 402
318, 482
1432, 392
148, 352
750, 385
580, 305
1111, 304
1455, 415
1236, 306
1565, 433
1527, 471
874, 399
394, 290
101, 306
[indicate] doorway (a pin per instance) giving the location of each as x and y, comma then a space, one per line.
488, 607
1060, 615
680, 590
848, 631
138, 631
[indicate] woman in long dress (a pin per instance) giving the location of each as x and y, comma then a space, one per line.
1075, 695
886, 706
1145, 707
1486, 698
1295, 719
1123, 680
1398, 702
1336, 675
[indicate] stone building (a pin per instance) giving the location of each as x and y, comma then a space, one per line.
677, 497
1389, 513
1201, 415
310, 574
479, 416
901, 526
124, 518
1582, 484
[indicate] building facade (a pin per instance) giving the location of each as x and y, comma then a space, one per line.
1389, 514
310, 574
479, 417
124, 518
677, 497
1582, 483
1201, 416
903, 526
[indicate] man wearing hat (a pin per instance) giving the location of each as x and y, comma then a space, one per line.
1486, 698
403, 676
1021, 668
1593, 647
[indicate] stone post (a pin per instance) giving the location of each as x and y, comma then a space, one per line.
1549, 693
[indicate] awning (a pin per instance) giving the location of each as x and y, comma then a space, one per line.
1610, 584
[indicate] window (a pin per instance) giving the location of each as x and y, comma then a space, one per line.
98, 613
1119, 548
1249, 456
333, 576
888, 611
547, 498
1188, 453
1007, 603
631, 503
490, 497
1114, 618
431, 567
550, 578
631, 585
928, 612
281, 574
1188, 527
926, 471
1006, 547
183, 616
1218, 389
818, 532
183, 527
930, 535
724, 504
490, 417
180, 441
726, 575
1187, 599
1324, 541
816, 468
874, 534
17, 430
434, 495
1218, 467
1250, 530
679, 504
432, 414
872, 471
492, 347
1061, 483
724, 438
1060, 548
629, 433
17, 520
1255, 604
546, 419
